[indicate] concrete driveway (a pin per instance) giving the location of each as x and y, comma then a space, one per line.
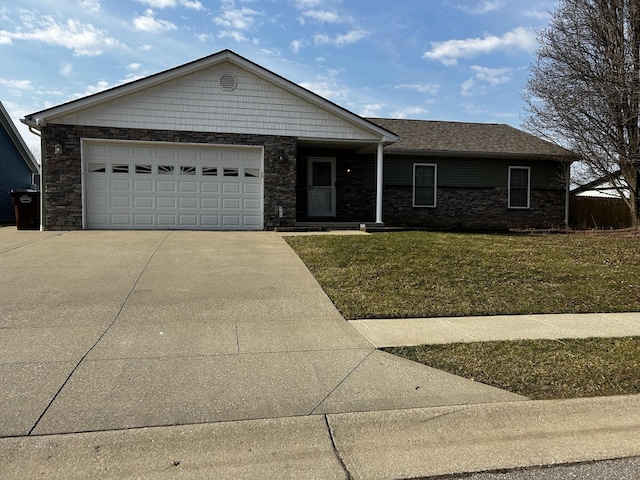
105, 330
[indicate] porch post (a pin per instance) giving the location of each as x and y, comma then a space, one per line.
379, 169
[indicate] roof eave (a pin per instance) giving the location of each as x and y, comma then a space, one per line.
479, 154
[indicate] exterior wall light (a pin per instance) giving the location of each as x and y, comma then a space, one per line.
57, 149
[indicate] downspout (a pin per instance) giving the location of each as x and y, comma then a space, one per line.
379, 170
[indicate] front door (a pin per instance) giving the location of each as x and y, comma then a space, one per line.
321, 187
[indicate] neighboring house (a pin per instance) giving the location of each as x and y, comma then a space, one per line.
222, 143
18, 168
599, 204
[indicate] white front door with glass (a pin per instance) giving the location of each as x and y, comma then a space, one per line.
321, 187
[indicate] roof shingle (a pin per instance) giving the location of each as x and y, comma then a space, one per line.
473, 139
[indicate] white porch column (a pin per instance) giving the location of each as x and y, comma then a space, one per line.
379, 170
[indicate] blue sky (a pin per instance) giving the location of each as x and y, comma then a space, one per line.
461, 60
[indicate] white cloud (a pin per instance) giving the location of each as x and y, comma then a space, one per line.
371, 110
133, 66
483, 79
83, 39
193, 4
92, 6
483, 7
296, 45
159, 3
542, 15
148, 23
5, 38
322, 16
16, 84
450, 51
353, 36
66, 69
239, 19
430, 88
234, 35
409, 112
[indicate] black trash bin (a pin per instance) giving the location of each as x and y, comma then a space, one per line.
27, 207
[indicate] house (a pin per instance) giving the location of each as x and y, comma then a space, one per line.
18, 167
223, 143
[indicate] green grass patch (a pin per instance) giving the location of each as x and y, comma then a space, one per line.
427, 274
540, 369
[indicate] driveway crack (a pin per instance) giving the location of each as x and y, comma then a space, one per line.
335, 449
75, 368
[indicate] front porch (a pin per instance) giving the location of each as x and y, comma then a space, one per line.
336, 188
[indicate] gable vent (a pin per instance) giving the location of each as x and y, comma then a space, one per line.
227, 82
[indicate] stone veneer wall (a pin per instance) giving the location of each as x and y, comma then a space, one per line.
62, 174
473, 208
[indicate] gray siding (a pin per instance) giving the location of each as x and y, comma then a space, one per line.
473, 173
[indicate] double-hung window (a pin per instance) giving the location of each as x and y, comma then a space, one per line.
424, 184
519, 187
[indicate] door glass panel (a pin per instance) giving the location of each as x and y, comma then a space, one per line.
321, 174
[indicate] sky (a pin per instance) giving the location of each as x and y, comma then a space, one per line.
457, 60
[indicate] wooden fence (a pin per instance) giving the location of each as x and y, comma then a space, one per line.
598, 213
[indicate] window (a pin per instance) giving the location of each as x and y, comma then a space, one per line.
252, 172
210, 171
424, 185
519, 186
187, 170
145, 169
165, 169
230, 172
119, 168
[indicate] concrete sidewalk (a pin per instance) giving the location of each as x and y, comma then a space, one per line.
217, 354
417, 331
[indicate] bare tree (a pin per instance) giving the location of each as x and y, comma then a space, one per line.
584, 89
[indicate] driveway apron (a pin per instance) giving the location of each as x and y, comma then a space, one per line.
104, 330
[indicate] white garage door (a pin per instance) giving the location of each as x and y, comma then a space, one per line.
134, 185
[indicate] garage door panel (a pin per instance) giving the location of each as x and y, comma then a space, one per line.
228, 187
121, 219
143, 185
209, 203
231, 220
188, 202
166, 220
165, 186
209, 187
120, 185
210, 220
120, 202
143, 202
188, 186
166, 202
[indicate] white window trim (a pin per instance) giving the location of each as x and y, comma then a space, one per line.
528, 169
435, 184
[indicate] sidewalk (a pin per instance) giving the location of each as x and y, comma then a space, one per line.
393, 444
417, 331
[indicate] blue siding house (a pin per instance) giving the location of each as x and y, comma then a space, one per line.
17, 165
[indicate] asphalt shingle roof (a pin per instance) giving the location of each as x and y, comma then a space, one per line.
473, 139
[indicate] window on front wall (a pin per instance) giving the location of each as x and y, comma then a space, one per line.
519, 187
424, 185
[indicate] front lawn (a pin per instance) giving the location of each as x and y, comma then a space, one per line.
426, 274
541, 369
